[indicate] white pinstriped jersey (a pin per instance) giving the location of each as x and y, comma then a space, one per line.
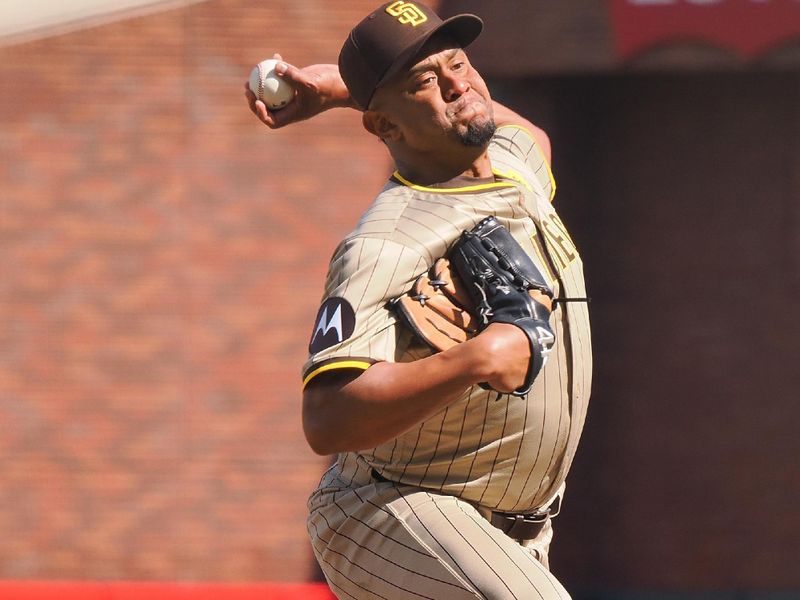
510, 454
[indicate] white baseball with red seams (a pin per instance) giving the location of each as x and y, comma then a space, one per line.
268, 87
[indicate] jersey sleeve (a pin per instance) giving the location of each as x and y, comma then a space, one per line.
518, 142
354, 327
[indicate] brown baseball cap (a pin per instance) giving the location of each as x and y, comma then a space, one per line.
387, 40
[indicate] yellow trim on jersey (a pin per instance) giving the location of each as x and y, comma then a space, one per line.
467, 188
344, 364
512, 174
544, 158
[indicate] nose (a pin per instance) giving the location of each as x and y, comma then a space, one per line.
455, 88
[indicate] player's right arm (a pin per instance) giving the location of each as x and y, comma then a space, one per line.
320, 87
317, 89
354, 410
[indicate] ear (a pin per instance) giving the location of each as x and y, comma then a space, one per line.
379, 124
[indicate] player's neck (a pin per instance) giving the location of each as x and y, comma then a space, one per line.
425, 170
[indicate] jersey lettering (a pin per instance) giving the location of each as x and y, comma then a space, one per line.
564, 251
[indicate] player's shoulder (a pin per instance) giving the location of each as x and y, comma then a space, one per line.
410, 217
379, 235
523, 141
519, 149
380, 220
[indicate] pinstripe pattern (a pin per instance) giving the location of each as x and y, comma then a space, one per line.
382, 540
510, 454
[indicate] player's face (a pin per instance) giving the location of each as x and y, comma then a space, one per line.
441, 99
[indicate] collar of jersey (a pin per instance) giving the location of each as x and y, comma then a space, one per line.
456, 185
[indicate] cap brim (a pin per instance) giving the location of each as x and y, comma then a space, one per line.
464, 29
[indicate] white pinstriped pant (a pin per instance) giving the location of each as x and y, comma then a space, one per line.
380, 540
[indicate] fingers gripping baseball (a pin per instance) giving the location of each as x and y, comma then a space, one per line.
316, 88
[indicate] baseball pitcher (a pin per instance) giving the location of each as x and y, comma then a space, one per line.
449, 363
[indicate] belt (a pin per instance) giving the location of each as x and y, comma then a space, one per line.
524, 526
518, 526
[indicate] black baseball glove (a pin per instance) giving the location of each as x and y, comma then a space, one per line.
485, 278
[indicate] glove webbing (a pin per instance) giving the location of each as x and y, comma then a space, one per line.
509, 266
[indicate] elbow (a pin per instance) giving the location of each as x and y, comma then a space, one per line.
323, 423
332, 420
319, 437
331, 430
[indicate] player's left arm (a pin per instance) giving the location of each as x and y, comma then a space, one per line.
505, 116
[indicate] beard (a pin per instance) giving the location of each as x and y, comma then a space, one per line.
478, 135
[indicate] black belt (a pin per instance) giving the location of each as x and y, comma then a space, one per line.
518, 526
525, 526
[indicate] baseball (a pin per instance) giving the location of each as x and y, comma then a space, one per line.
268, 87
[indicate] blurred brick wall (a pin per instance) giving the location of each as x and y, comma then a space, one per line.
162, 256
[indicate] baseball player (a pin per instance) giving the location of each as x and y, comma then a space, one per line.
447, 479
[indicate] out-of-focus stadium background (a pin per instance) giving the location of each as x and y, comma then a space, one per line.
162, 257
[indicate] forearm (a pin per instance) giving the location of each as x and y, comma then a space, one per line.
383, 402
325, 80
355, 413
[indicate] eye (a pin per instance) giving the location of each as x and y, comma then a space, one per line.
426, 81
459, 66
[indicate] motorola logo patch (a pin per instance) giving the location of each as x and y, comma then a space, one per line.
334, 324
